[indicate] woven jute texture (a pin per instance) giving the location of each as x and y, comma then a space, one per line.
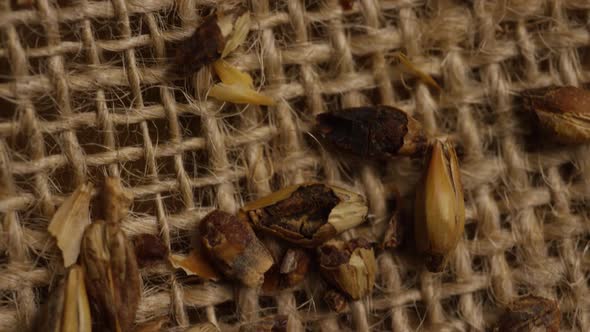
85, 92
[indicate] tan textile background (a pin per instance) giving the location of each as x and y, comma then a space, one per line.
84, 92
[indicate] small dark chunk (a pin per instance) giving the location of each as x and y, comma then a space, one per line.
220, 227
332, 256
200, 49
149, 249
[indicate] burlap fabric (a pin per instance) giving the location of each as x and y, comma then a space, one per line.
84, 92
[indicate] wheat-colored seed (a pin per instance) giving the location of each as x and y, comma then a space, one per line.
241, 29
439, 209
231, 75
236, 86
67, 309
69, 222
238, 94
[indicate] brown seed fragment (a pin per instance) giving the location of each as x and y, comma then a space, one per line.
112, 276
529, 312
378, 132
149, 249
335, 301
234, 248
349, 266
306, 214
202, 48
67, 309
564, 112
278, 323
115, 199
291, 271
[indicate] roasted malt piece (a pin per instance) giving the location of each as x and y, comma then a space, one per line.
290, 271
349, 266
149, 249
528, 313
377, 132
202, 48
112, 276
306, 214
564, 112
439, 207
67, 309
278, 323
335, 301
234, 248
